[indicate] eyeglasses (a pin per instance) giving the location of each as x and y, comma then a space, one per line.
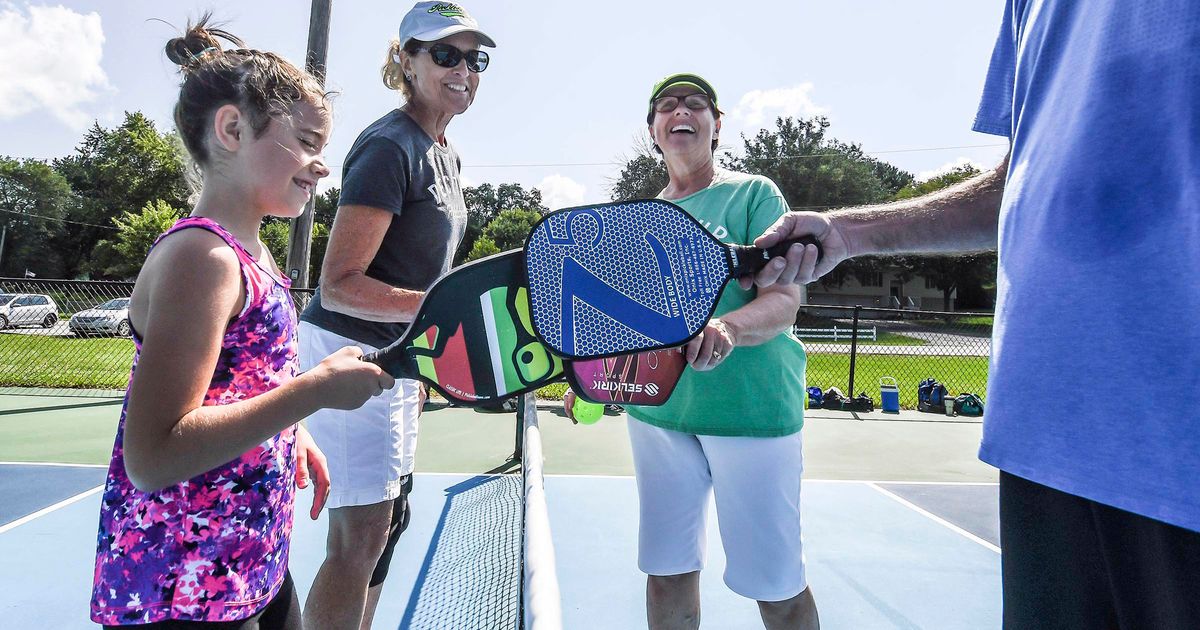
694, 102
448, 56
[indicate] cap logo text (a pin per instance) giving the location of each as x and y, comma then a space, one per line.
448, 9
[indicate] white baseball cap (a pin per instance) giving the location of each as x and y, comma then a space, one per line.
431, 21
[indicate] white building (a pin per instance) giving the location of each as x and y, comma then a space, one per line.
882, 290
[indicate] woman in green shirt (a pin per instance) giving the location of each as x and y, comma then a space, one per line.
732, 427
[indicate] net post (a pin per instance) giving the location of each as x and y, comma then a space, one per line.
519, 439
853, 351
541, 600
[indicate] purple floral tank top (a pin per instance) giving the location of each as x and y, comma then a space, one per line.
215, 547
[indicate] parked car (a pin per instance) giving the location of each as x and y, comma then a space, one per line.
27, 309
111, 317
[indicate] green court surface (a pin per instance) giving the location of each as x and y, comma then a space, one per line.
71, 430
838, 445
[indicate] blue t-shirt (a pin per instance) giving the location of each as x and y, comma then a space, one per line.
1096, 359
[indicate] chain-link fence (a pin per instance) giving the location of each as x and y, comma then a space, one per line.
906, 345
70, 334
75, 334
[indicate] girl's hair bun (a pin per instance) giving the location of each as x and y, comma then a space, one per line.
199, 43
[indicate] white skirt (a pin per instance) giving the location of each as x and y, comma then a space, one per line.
369, 449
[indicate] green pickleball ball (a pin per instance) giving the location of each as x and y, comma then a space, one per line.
587, 412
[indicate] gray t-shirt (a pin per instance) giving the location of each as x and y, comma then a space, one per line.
396, 166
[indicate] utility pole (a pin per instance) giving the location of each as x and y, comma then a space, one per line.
3, 237
301, 230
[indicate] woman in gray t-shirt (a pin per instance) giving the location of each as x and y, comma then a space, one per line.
400, 218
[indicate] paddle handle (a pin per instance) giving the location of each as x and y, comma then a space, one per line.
393, 360
748, 259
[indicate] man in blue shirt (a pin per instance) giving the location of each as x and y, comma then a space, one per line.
1097, 214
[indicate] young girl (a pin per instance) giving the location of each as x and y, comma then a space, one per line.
197, 509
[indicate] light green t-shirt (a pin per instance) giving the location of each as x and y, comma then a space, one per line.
758, 391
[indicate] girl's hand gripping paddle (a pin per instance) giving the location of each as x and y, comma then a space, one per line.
472, 339
625, 277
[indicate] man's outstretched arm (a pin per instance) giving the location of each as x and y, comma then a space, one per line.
960, 219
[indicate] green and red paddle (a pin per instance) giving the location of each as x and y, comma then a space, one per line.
472, 338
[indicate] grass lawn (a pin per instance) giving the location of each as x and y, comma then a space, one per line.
958, 374
71, 362
968, 325
103, 363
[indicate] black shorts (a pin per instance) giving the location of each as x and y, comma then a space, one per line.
281, 613
401, 514
1068, 563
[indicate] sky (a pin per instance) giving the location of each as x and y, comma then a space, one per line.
564, 100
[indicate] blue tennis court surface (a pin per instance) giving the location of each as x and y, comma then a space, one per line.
880, 555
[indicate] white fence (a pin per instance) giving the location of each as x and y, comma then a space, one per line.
835, 333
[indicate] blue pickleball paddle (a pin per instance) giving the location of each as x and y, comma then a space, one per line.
625, 277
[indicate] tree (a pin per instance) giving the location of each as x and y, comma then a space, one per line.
113, 172
485, 202
320, 242
949, 178
276, 236
966, 273
123, 256
643, 176
892, 178
817, 172
482, 248
33, 201
507, 231
325, 207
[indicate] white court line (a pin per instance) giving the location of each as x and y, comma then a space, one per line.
910, 483
462, 474
62, 465
806, 480
46, 510
937, 519
569, 476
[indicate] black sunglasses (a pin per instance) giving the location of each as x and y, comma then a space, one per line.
448, 56
695, 102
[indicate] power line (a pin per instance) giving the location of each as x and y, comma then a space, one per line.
727, 153
775, 158
60, 220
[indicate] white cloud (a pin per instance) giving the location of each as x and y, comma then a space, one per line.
924, 176
561, 192
50, 59
759, 106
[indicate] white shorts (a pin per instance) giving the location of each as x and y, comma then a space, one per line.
369, 449
756, 483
